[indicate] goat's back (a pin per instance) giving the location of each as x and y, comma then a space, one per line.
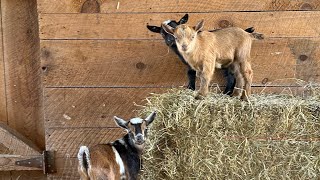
103, 163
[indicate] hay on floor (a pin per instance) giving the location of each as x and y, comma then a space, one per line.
272, 137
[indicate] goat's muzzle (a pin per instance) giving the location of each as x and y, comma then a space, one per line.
139, 139
184, 47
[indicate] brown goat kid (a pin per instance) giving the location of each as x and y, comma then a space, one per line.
206, 50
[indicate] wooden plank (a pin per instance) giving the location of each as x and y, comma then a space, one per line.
5, 175
67, 141
21, 57
66, 169
28, 175
16, 144
307, 55
113, 63
150, 6
7, 163
136, 63
92, 107
3, 105
14, 147
133, 26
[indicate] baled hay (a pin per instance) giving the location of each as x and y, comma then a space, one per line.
272, 137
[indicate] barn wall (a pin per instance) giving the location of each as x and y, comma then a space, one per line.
20, 76
98, 58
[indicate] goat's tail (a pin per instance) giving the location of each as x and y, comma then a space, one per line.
254, 34
84, 162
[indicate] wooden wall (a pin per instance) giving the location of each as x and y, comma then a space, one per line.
98, 57
20, 77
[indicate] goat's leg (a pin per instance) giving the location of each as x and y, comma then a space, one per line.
205, 78
239, 80
192, 79
231, 81
246, 70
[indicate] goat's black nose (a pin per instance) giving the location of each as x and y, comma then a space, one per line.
139, 138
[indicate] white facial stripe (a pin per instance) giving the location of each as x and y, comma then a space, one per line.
119, 161
166, 22
136, 121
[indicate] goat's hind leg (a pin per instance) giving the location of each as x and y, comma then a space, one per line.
192, 79
239, 80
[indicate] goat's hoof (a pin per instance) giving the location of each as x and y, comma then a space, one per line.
244, 98
199, 97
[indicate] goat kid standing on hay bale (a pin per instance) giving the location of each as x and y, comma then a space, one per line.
117, 160
204, 50
170, 41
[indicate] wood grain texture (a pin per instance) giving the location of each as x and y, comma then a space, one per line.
137, 63
7, 163
92, 107
15, 143
28, 175
21, 57
133, 26
150, 6
66, 169
67, 141
3, 104
5, 175
15, 147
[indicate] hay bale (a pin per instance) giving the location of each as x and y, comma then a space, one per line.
272, 137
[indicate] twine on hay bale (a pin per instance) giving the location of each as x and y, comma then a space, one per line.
272, 137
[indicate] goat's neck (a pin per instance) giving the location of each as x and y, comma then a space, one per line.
129, 142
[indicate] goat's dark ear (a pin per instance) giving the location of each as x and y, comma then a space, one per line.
155, 29
168, 29
199, 26
150, 118
120, 122
184, 19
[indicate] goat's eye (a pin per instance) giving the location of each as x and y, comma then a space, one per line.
193, 36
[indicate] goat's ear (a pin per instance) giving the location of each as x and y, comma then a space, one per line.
155, 29
199, 26
168, 29
120, 122
150, 118
184, 19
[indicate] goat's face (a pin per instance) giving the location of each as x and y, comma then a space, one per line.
169, 38
184, 35
137, 128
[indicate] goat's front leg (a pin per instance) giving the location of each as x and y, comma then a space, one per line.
192, 79
205, 78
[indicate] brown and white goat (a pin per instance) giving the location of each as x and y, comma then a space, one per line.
119, 159
204, 51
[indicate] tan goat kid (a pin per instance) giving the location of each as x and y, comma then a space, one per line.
206, 50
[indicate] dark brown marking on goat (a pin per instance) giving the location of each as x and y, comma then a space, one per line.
90, 6
140, 66
306, 6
